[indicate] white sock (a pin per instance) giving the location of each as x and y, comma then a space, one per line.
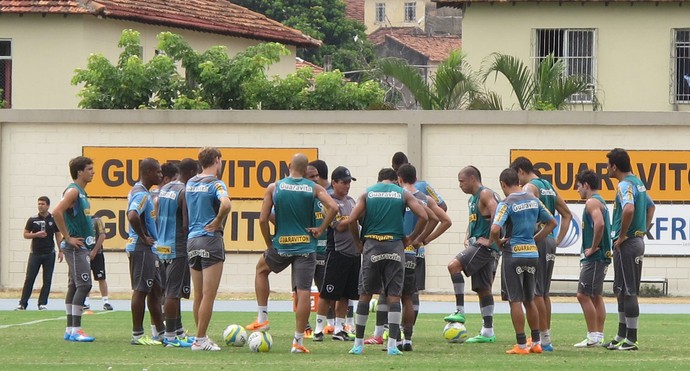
320, 322
299, 338
331, 322
154, 331
86, 301
487, 332
68, 330
338, 325
378, 331
392, 343
263, 314
105, 300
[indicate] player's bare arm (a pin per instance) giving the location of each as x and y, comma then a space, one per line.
68, 200
593, 208
265, 214
329, 206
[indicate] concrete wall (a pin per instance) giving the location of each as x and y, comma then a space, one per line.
37, 145
47, 50
633, 44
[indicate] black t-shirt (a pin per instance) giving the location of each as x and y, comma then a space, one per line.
38, 223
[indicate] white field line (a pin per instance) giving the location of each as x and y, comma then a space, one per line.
42, 320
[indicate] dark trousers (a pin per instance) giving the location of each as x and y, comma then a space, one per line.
36, 261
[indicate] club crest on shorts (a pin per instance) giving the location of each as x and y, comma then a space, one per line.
85, 277
185, 289
330, 288
149, 282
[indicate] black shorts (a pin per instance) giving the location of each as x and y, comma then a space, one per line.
320, 269
479, 263
303, 266
143, 270
547, 259
98, 267
517, 278
383, 268
420, 269
341, 276
627, 267
177, 284
205, 251
592, 274
410, 280
77, 259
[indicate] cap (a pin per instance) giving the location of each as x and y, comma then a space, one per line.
341, 173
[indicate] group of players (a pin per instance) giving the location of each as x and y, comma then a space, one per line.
374, 245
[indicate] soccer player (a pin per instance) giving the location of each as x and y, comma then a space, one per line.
343, 262
633, 211
383, 263
41, 230
293, 243
439, 222
143, 258
479, 260
594, 258
398, 160
208, 205
518, 213
543, 190
98, 263
172, 248
72, 216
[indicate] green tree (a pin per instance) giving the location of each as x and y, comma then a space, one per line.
2, 101
303, 90
547, 89
453, 86
343, 39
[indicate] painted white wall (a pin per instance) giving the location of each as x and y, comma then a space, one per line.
37, 145
633, 44
47, 50
395, 13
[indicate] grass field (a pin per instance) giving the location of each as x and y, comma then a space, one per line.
36, 343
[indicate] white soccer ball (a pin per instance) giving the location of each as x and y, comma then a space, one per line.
574, 231
455, 332
260, 342
235, 335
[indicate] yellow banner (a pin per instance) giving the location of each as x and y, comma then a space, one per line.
666, 174
242, 231
246, 171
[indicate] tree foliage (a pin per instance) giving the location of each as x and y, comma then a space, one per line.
211, 80
343, 39
547, 89
453, 86
2, 101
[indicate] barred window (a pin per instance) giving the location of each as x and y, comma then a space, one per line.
411, 12
6, 71
680, 62
380, 12
576, 47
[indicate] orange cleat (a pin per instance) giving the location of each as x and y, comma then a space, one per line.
328, 330
256, 326
517, 350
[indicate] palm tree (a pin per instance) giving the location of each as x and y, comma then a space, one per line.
453, 86
549, 89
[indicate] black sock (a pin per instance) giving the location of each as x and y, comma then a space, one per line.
521, 338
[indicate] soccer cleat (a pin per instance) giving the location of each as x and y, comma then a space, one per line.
144, 340
328, 330
536, 348
66, 336
20, 307
187, 339
318, 336
107, 306
587, 343
86, 312
81, 337
256, 326
612, 345
176, 343
86, 307
357, 349
308, 333
207, 345
547, 347
296, 348
42, 307
517, 350
394, 352
407, 347
341, 336
455, 317
482, 339
627, 345
374, 340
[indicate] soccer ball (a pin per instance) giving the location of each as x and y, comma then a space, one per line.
455, 332
235, 335
260, 342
